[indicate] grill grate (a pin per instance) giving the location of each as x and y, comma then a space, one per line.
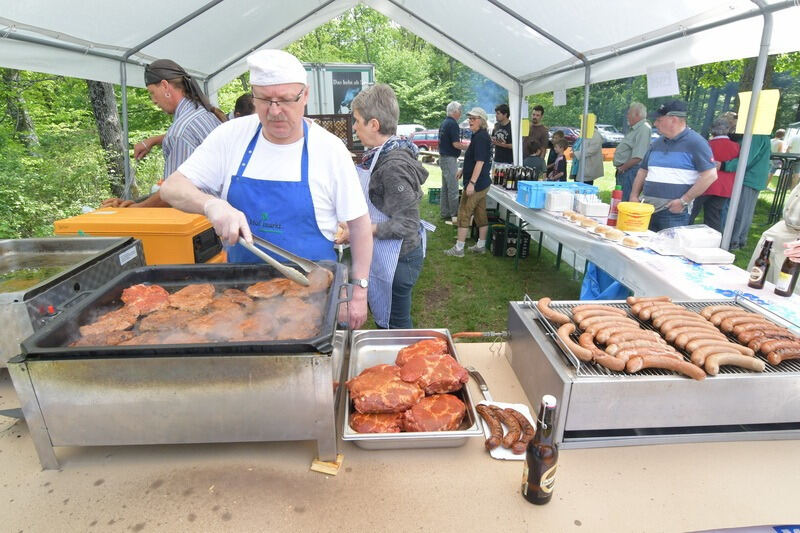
589, 370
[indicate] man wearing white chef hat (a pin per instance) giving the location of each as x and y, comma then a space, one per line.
280, 176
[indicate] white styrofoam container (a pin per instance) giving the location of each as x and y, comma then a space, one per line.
593, 209
709, 256
558, 200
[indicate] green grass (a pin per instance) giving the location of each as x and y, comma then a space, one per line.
472, 293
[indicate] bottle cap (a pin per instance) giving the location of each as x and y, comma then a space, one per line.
549, 401
618, 188
767, 239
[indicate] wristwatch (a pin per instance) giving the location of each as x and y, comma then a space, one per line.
683, 203
363, 283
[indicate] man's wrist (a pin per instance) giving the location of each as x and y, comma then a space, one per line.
684, 203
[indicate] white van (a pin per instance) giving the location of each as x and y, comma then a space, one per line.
405, 130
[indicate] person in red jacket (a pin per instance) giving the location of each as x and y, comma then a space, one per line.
714, 202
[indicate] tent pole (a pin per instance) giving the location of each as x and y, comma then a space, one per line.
517, 143
123, 75
758, 80
582, 165
569, 49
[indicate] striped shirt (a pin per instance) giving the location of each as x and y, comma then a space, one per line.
673, 165
190, 125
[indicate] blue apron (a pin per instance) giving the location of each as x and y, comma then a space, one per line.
281, 212
385, 253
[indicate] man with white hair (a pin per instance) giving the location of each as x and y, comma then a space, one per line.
280, 176
450, 147
630, 151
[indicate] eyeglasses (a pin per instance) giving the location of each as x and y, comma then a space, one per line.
280, 103
473, 118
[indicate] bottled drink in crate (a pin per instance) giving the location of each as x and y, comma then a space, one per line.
758, 274
541, 457
786, 279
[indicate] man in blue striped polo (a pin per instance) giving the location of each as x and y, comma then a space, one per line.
676, 169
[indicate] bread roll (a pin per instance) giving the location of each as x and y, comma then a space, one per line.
589, 223
615, 235
569, 214
602, 229
630, 242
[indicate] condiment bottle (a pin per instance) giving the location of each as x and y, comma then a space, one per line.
758, 274
541, 457
786, 279
616, 198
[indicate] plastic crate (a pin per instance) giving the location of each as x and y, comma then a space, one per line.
434, 195
532, 194
506, 245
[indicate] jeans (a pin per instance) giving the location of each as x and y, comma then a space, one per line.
666, 219
448, 201
405, 276
626, 180
744, 217
715, 209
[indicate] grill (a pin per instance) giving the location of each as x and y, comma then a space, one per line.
600, 407
186, 393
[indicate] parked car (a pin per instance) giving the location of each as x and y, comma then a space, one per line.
611, 135
405, 130
426, 140
570, 134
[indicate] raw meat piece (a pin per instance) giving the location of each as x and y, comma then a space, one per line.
145, 298
379, 389
268, 289
376, 422
166, 319
195, 297
440, 412
104, 339
434, 373
433, 346
118, 320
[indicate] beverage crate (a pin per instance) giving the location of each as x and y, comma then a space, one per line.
506, 245
434, 195
533, 193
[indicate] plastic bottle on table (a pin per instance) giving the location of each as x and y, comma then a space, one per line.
616, 198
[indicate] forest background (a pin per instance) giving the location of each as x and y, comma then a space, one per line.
60, 142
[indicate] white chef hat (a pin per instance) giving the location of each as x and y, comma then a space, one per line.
275, 67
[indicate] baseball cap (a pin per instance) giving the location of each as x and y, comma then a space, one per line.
275, 67
478, 112
674, 108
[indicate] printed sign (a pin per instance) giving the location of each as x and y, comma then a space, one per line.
560, 97
662, 80
346, 85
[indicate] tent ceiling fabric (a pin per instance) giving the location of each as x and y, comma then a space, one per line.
477, 33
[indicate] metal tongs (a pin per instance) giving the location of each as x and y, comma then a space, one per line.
287, 271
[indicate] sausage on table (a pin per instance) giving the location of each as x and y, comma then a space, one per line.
636, 299
582, 353
636, 364
599, 307
711, 309
493, 423
778, 356
514, 429
714, 361
551, 314
528, 431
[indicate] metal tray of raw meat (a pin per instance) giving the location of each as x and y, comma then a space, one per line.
374, 347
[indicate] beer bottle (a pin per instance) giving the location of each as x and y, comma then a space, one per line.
758, 274
541, 457
787, 278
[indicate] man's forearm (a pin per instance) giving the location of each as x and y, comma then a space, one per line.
638, 184
182, 194
629, 163
476, 172
361, 246
154, 200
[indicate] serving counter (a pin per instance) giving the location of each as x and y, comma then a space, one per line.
268, 487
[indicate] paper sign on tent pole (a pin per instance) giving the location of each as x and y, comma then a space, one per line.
559, 97
662, 80
588, 130
766, 110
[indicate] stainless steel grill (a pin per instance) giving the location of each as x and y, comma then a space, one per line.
600, 407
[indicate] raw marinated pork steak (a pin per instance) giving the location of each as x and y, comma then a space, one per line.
117, 320
440, 412
428, 346
145, 298
435, 373
195, 297
376, 422
379, 389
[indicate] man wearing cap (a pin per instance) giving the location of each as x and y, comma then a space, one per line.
677, 168
176, 93
280, 176
477, 162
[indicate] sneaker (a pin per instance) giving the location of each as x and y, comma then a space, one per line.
455, 252
477, 249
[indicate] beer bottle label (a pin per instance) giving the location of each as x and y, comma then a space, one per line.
525, 479
783, 281
756, 274
548, 479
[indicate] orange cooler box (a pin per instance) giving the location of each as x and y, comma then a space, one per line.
169, 236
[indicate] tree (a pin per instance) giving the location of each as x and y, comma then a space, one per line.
17, 109
106, 116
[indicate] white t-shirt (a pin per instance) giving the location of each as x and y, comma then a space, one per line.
794, 145
332, 178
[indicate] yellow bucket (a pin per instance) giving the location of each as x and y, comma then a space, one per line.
633, 216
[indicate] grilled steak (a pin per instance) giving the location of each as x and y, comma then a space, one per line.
295, 329
379, 389
230, 298
216, 325
428, 346
166, 319
268, 289
296, 309
145, 298
257, 327
195, 297
104, 339
434, 373
117, 320
149, 337
377, 422
319, 280
440, 412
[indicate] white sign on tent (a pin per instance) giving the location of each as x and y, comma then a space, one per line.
559, 97
662, 80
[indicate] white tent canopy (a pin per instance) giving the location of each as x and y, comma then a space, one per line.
526, 47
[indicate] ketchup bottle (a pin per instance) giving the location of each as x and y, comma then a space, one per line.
616, 198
